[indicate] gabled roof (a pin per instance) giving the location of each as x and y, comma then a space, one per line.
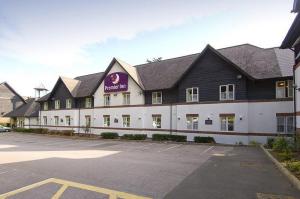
252, 61
30, 109
12, 90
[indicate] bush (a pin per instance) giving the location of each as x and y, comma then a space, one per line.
284, 156
178, 138
294, 166
168, 137
254, 143
109, 135
160, 137
280, 145
270, 142
54, 132
67, 132
199, 139
23, 130
134, 136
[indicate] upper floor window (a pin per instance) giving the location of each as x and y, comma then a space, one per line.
126, 98
126, 120
88, 102
57, 104
284, 89
56, 120
45, 120
192, 94
45, 106
227, 92
106, 120
285, 124
68, 121
68, 103
192, 121
107, 100
156, 121
156, 97
88, 121
227, 122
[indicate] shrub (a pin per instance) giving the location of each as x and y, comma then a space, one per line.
134, 136
168, 137
254, 143
199, 139
109, 135
270, 142
178, 138
23, 130
67, 132
293, 166
284, 156
280, 145
54, 132
160, 137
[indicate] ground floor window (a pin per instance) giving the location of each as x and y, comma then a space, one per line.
285, 124
156, 121
45, 120
126, 121
21, 122
227, 122
88, 121
192, 121
56, 120
106, 120
68, 120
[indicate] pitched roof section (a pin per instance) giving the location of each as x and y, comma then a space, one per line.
12, 90
88, 83
30, 109
291, 37
71, 84
255, 62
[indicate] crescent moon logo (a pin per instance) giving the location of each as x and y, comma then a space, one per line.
115, 78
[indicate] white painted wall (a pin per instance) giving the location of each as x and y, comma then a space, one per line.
136, 93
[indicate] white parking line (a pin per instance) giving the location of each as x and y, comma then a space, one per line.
172, 147
206, 150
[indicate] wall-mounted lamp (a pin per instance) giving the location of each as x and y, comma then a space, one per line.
208, 117
241, 117
139, 118
178, 118
239, 76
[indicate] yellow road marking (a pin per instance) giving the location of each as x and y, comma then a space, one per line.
60, 192
65, 184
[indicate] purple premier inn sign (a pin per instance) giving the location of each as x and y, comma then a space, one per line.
116, 82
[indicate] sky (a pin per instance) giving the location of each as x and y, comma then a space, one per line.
41, 40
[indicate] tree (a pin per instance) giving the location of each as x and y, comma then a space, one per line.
154, 60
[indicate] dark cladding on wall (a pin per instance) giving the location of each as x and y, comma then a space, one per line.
61, 93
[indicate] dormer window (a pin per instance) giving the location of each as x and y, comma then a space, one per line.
57, 104
156, 97
192, 94
284, 89
227, 92
88, 102
69, 103
45, 106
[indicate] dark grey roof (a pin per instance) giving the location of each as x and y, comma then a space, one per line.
44, 98
258, 63
292, 35
88, 84
30, 109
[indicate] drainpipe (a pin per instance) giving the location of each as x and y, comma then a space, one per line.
171, 119
295, 105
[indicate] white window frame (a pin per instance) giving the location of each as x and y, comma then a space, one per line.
68, 103
126, 98
57, 104
106, 120
46, 106
194, 97
156, 121
192, 122
88, 121
45, 120
68, 120
285, 91
285, 125
227, 93
126, 121
156, 99
56, 120
88, 102
290, 88
106, 100
226, 119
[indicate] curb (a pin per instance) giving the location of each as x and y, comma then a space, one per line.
295, 181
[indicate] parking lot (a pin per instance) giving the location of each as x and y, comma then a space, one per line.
36, 166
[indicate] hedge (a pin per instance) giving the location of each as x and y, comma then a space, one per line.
109, 135
134, 136
168, 137
199, 139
